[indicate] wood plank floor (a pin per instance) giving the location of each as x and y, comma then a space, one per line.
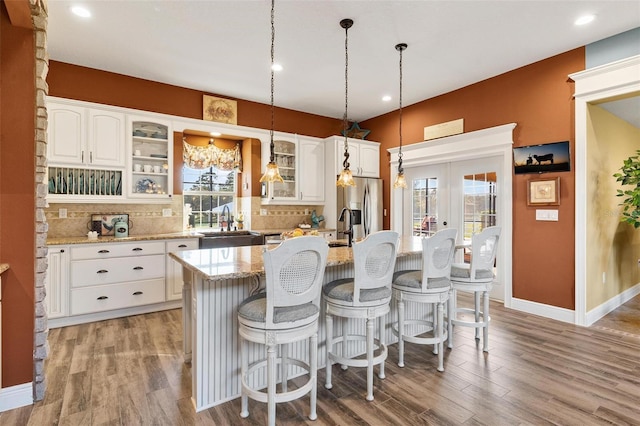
129, 371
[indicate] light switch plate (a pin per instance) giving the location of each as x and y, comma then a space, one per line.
547, 215
62, 213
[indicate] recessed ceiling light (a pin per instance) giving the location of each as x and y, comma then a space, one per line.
216, 134
386, 98
583, 20
81, 11
276, 67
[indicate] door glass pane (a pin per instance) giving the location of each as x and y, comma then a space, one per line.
425, 206
479, 203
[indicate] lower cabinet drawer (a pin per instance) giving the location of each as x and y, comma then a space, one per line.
122, 269
116, 296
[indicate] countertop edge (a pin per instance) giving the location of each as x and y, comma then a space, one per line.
84, 240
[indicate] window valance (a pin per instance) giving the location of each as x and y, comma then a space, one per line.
203, 157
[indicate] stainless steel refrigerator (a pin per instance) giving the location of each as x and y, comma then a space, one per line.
365, 200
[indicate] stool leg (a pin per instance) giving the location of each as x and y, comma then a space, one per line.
271, 384
435, 321
313, 364
381, 339
344, 347
284, 365
439, 339
329, 348
244, 356
476, 302
451, 316
400, 333
485, 318
370, 359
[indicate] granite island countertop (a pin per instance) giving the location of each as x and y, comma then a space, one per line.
111, 239
241, 262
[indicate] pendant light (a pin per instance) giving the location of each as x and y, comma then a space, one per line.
400, 180
272, 173
346, 178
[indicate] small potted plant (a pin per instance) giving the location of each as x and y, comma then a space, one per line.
240, 221
630, 176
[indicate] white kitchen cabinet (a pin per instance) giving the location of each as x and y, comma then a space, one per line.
56, 282
174, 269
150, 154
364, 156
86, 137
301, 163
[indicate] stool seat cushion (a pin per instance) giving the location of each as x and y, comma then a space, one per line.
463, 270
254, 308
413, 279
343, 290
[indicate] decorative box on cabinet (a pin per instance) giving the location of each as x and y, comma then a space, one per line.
301, 163
174, 269
56, 282
116, 275
150, 159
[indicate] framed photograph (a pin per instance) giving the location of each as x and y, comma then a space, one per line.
219, 109
543, 192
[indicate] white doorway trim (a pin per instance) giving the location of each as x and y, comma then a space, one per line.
492, 142
592, 85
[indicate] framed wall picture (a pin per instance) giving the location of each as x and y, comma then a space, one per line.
543, 192
219, 109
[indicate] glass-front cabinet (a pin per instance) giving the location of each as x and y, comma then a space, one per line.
285, 156
150, 159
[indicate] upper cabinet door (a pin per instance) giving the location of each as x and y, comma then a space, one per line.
311, 167
369, 160
106, 138
66, 134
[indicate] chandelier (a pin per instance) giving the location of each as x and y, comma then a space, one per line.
346, 178
400, 180
272, 173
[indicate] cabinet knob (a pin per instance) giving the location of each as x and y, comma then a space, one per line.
103, 251
102, 298
138, 268
102, 271
137, 249
137, 293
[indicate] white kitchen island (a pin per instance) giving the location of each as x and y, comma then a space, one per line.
217, 280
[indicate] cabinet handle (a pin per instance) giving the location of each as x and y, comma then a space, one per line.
182, 246
137, 249
82, 156
103, 251
102, 271
137, 293
90, 157
62, 251
138, 268
102, 298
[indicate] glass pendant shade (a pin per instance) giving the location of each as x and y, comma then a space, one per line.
271, 174
400, 181
345, 179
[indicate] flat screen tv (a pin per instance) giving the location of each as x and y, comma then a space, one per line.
548, 157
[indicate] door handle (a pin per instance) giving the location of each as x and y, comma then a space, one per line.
444, 223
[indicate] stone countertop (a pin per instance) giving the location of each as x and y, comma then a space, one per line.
241, 262
3, 267
111, 239
281, 230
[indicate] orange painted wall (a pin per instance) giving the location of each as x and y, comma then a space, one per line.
538, 97
87, 84
17, 199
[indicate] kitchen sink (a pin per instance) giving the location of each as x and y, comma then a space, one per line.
217, 239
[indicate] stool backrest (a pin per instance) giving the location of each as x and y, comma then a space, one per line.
374, 261
484, 247
437, 255
294, 272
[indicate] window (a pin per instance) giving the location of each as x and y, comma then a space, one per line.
479, 203
425, 202
208, 191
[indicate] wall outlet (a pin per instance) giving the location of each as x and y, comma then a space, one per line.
166, 212
263, 212
62, 213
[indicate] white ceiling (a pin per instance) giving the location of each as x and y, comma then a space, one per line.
223, 47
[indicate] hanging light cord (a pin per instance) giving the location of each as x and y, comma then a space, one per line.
400, 48
273, 37
346, 24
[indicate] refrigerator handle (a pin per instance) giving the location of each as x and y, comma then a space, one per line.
365, 210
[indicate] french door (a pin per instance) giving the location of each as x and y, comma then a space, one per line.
462, 194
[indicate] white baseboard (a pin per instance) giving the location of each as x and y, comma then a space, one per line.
611, 304
547, 311
16, 396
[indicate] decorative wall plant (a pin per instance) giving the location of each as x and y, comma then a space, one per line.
631, 203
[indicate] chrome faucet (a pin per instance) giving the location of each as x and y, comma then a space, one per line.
227, 217
349, 231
